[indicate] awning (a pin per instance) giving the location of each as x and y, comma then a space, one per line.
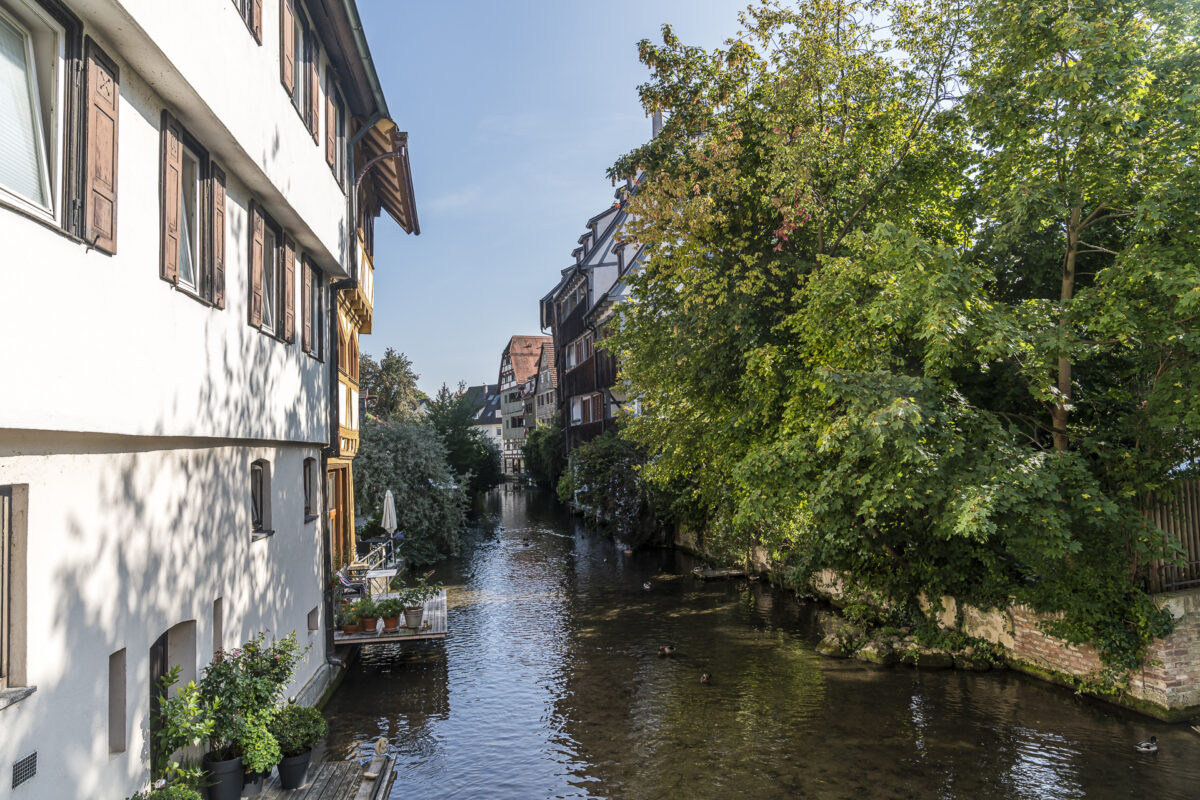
391, 176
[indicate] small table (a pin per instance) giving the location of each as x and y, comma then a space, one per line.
378, 580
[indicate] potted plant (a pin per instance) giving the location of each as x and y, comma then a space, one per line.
167, 791
260, 752
390, 610
348, 619
297, 729
241, 688
182, 720
415, 596
368, 615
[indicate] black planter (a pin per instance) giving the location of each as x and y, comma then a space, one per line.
253, 783
224, 779
293, 770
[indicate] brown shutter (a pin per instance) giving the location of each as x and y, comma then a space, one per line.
256, 264
218, 236
100, 169
287, 44
172, 174
306, 305
314, 88
289, 290
330, 132
256, 20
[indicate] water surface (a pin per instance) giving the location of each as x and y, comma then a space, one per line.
549, 686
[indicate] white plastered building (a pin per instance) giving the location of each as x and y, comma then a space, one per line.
175, 214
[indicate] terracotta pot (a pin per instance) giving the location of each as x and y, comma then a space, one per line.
349, 628
413, 616
369, 624
391, 623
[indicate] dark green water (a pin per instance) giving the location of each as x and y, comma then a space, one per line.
549, 686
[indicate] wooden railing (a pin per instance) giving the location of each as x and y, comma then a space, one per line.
1179, 516
581, 379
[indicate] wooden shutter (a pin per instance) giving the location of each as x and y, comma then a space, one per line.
289, 290
256, 264
256, 19
330, 130
218, 236
306, 307
287, 44
172, 174
100, 154
314, 87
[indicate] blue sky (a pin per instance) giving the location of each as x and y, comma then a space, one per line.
514, 111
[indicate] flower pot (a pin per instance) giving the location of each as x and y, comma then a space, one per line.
413, 616
350, 629
293, 770
391, 623
253, 783
369, 624
224, 779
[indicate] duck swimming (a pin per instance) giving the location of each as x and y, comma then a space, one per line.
706, 679
666, 651
1148, 747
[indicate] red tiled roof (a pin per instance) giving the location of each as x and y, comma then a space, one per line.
547, 361
524, 352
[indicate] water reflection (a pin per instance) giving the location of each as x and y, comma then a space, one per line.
550, 685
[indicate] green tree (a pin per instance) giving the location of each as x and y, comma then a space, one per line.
409, 458
471, 456
543, 453
393, 384
602, 481
963, 375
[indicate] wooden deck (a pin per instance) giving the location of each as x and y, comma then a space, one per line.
337, 780
433, 626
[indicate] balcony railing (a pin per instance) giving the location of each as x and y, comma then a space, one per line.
579, 434
581, 379
362, 298
570, 328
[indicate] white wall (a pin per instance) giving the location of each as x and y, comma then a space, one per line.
128, 537
106, 345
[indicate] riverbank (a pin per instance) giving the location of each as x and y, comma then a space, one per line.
1166, 688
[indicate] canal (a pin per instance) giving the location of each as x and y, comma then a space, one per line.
550, 686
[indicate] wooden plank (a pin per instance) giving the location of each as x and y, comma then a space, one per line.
718, 574
317, 785
344, 784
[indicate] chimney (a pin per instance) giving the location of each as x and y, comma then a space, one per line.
656, 123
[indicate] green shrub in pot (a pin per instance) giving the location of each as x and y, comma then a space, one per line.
297, 729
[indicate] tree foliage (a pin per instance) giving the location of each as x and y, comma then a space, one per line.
920, 300
602, 481
468, 451
543, 453
409, 458
393, 384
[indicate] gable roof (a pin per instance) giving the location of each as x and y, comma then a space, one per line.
546, 362
524, 352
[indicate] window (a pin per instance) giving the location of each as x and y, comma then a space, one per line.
14, 506
192, 207
116, 702
312, 310
310, 489
260, 498
272, 277
251, 12
25, 167
298, 62
335, 128
353, 358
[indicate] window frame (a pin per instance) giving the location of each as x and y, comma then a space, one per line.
246, 12
275, 254
204, 288
310, 486
260, 512
62, 165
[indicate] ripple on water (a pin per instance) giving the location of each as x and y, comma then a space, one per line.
550, 686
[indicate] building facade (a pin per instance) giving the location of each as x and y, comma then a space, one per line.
485, 399
518, 363
177, 187
578, 314
545, 388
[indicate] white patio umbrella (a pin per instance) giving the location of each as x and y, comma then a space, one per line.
389, 513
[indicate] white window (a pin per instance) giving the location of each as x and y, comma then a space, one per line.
31, 68
189, 218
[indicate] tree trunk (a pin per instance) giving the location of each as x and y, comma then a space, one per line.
1059, 414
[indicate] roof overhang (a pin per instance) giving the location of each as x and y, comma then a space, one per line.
390, 173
